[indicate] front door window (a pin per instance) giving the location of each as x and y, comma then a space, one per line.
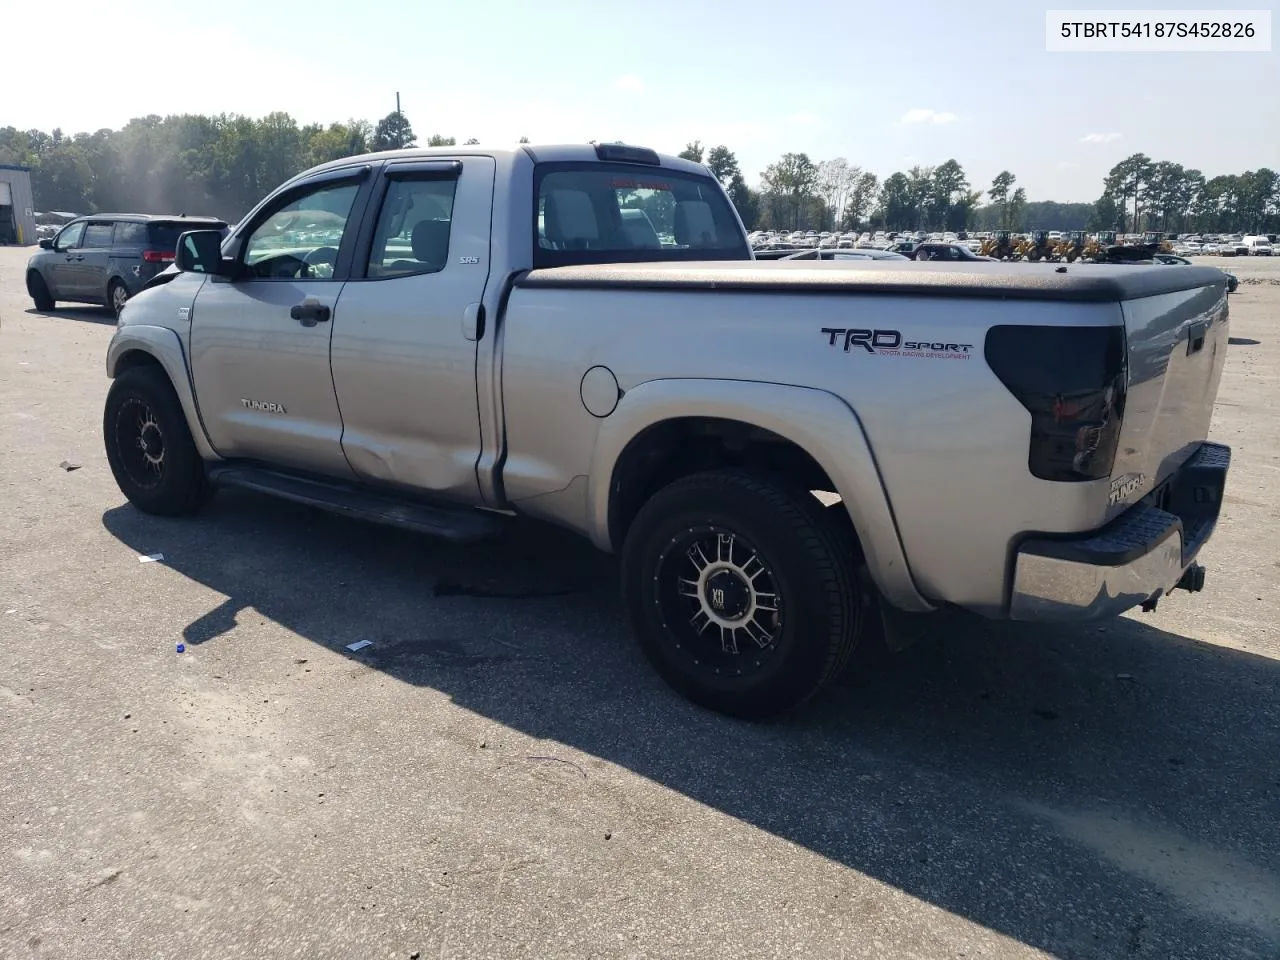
69, 238
300, 240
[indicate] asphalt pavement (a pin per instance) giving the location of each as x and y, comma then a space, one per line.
499, 774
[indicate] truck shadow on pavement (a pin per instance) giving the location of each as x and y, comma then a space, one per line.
81, 313
1091, 791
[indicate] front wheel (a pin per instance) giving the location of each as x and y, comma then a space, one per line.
149, 446
741, 592
39, 291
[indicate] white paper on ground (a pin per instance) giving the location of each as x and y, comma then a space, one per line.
151, 558
359, 645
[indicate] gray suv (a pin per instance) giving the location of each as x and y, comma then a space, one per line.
107, 258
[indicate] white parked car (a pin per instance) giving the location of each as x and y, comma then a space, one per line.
1256, 246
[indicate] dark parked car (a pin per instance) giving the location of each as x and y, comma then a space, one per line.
106, 259
947, 252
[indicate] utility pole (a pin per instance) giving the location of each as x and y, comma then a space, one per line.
397, 103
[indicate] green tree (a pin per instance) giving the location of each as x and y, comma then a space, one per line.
439, 140
692, 151
1257, 191
746, 201
1105, 213
920, 181
949, 198
723, 165
471, 142
1128, 180
787, 187
1018, 210
862, 196
835, 182
999, 195
898, 208
336, 141
393, 132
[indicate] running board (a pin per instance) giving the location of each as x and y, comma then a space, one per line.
443, 521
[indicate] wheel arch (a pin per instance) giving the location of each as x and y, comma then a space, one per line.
665, 429
35, 271
136, 345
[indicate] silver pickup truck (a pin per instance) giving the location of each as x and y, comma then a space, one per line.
791, 458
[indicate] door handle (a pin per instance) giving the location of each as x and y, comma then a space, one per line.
1195, 337
309, 312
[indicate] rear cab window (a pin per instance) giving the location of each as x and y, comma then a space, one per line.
597, 212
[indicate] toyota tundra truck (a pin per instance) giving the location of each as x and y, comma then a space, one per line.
789, 458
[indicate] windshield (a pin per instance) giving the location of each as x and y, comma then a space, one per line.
610, 213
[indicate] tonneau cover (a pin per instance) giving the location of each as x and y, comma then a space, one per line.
1077, 283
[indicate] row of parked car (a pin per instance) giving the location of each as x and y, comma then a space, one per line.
1226, 245
867, 240
1256, 245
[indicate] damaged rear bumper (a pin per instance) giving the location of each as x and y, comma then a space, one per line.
1139, 557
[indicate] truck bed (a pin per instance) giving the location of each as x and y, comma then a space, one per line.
914, 373
1087, 283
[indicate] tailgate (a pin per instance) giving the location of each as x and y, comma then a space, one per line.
1177, 345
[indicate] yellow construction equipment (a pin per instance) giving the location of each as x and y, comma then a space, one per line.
1037, 247
1071, 247
1097, 245
999, 246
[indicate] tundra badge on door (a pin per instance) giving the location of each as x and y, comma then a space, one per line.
266, 406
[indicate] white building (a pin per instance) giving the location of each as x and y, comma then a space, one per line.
17, 206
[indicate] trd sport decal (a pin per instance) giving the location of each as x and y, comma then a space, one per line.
889, 343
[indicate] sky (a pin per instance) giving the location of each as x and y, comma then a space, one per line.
884, 84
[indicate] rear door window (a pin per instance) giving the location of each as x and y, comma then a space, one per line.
413, 229
609, 213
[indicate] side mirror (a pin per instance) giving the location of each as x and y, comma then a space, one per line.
46, 243
200, 251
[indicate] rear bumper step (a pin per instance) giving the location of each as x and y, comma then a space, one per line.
1140, 556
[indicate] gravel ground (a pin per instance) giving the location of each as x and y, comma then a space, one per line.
500, 775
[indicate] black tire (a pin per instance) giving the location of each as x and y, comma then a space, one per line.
39, 291
149, 446
117, 295
806, 559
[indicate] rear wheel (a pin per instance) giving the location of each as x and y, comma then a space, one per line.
117, 296
39, 291
741, 591
149, 446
